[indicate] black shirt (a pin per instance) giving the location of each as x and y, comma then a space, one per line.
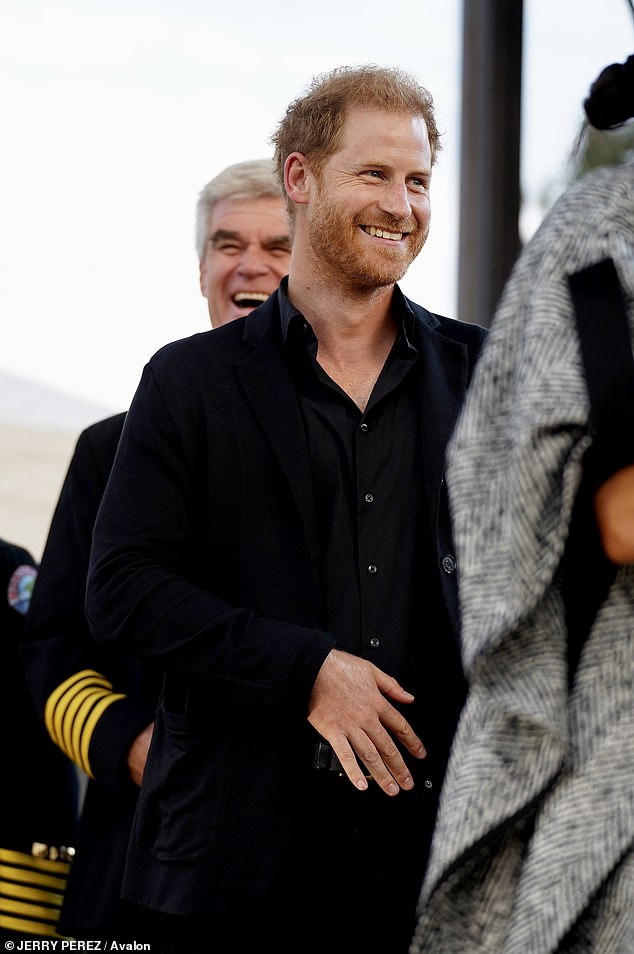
368, 490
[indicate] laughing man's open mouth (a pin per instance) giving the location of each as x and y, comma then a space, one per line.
249, 299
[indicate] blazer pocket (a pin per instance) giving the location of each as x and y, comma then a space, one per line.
184, 791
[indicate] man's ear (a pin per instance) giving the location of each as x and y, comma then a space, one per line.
203, 278
297, 178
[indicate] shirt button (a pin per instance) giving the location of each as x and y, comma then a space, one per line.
369, 498
372, 569
375, 642
363, 427
448, 564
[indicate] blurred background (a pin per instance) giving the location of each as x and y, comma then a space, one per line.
115, 113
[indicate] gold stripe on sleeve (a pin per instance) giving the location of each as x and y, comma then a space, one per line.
59, 699
89, 726
23, 893
27, 927
25, 909
82, 701
30, 896
9, 857
31, 877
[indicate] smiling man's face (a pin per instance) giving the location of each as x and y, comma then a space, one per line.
370, 212
247, 253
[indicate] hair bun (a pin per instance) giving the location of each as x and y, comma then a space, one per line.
611, 99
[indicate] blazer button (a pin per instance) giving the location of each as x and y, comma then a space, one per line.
448, 564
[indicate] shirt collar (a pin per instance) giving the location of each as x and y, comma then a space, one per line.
290, 317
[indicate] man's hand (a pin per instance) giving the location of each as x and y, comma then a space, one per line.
350, 709
137, 756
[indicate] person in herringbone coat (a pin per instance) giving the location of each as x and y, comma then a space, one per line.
533, 851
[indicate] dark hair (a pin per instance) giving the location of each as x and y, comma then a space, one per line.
610, 102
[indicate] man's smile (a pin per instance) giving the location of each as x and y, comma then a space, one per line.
383, 233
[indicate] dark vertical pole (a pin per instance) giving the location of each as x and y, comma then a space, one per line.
490, 153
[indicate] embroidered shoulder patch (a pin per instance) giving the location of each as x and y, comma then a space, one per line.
20, 587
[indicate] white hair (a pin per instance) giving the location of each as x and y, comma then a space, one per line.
254, 179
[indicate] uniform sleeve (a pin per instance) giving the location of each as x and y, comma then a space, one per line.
37, 822
90, 711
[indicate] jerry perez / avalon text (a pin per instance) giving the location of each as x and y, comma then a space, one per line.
68, 944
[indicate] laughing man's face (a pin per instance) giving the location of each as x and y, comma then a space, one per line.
247, 253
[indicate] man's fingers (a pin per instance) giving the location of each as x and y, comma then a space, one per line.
350, 766
383, 762
386, 764
389, 686
398, 726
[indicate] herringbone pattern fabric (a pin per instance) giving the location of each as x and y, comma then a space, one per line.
533, 848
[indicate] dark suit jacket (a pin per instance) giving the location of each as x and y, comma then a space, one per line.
205, 559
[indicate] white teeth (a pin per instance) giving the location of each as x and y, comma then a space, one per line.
381, 233
250, 296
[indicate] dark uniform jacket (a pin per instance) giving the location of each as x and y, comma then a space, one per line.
94, 700
38, 804
205, 560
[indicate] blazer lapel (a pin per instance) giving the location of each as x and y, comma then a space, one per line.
267, 385
444, 371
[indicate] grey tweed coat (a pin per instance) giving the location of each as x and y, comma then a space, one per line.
533, 850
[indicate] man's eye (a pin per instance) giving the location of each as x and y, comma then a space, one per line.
227, 247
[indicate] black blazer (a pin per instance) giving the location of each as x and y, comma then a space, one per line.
205, 560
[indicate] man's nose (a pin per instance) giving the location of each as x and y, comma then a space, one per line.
253, 261
395, 200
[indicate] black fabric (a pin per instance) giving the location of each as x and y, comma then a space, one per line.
365, 469
361, 863
375, 539
606, 351
206, 559
370, 551
39, 790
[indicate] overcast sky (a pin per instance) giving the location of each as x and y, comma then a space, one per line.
114, 114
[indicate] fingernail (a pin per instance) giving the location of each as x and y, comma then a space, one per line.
392, 789
362, 784
408, 782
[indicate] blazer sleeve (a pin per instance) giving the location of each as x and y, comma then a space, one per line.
144, 589
91, 708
